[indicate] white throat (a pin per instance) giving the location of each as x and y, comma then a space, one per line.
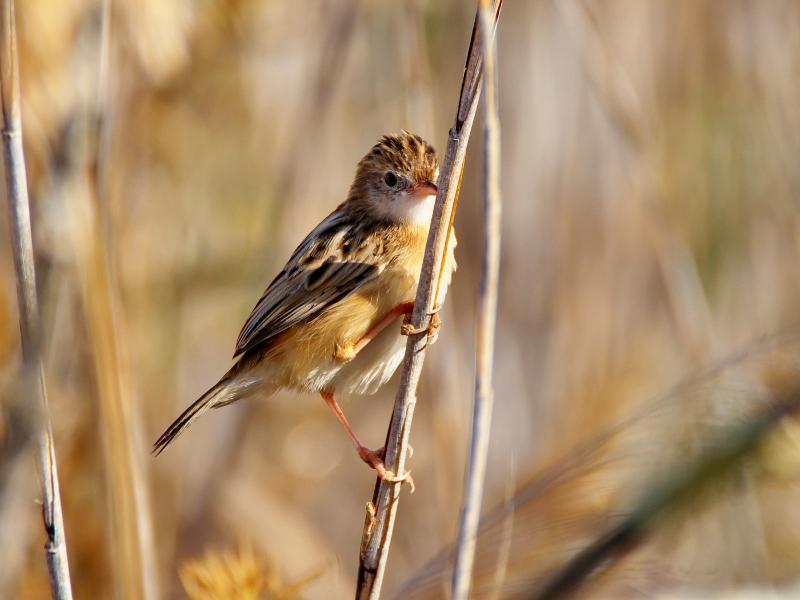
414, 210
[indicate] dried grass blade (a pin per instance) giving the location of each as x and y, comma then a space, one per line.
30, 328
487, 319
377, 534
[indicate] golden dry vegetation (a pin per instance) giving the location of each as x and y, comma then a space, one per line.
178, 151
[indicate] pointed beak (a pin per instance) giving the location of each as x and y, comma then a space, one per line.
425, 188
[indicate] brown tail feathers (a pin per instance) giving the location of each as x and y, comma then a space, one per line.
224, 392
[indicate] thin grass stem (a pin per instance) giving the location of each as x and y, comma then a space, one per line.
379, 524
30, 326
487, 319
130, 522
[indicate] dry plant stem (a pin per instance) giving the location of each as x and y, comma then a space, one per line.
487, 319
378, 527
667, 494
130, 528
30, 329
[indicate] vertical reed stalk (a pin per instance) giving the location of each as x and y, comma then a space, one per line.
378, 527
30, 326
130, 527
487, 318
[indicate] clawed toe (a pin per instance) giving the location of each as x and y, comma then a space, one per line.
432, 329
374, 458
392, 478
408, 329
404, 478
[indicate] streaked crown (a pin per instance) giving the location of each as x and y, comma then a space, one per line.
395, 164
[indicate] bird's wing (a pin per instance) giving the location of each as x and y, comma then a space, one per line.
335, 260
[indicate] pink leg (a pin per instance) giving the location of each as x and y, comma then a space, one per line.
348, 354
374, 458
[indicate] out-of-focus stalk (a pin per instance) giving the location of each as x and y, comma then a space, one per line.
487, 317
130, 526
377, 534
667, 494
30, 326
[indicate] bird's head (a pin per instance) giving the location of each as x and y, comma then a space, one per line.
397, 179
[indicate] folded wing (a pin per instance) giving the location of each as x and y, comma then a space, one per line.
335, 260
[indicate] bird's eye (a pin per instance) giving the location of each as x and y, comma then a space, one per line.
390, 178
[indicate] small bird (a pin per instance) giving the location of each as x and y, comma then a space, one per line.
330, 322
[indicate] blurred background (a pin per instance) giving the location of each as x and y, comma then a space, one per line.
177, 153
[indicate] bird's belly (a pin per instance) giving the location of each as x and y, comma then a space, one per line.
374, 365
304, 359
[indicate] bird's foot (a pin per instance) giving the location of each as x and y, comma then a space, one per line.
432, 329
374, 458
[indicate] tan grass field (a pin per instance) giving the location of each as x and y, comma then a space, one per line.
651, 180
